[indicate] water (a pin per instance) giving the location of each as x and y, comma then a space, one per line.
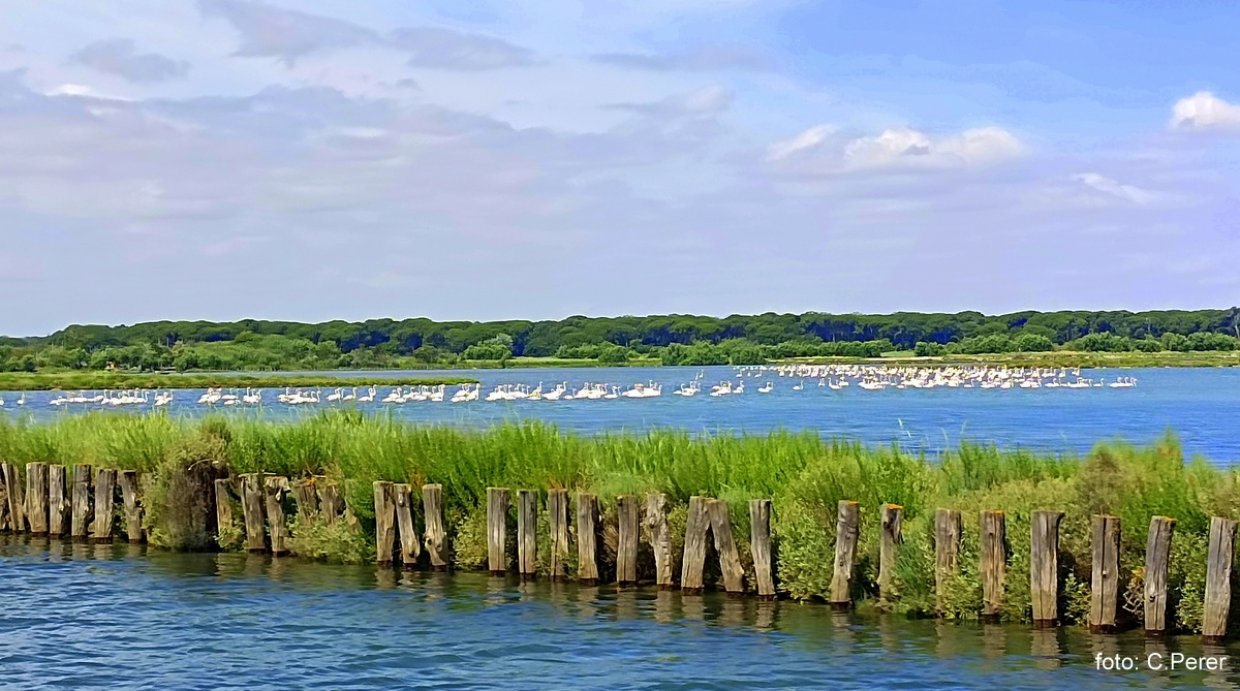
116, 616
1200, 405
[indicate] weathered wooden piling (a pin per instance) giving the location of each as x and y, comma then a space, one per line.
57, 501
331, 505
527, 527
274, 489
497, 529
993, 562
1218, 579
628, 523
15, 495
306, 498
105, 504
82, 512
947, 533
131, 499
385, 522
725, 546
847, 530
760, 546
1104, 581
889, 543
587, 538
1044, 567
1157, 562
4, 505
36, 498
660, 539
436, 535
694, 560
252, 500
223, 512
410, 545
557, 518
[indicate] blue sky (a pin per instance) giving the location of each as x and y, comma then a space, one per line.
221, 159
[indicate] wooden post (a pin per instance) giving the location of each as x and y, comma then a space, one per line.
660, 539
274, 489
890, 539
527, 540
1104, 584
410, 546
993, 562
947, 532
330, 503
133, 505
223, 511
57, 501
725, 546
307, 500
628, 520
436, 536
587, 538
82, 513
691, 565
760, 546
847, 530
497, 529
252, 512
557, 515
1218, 579
4, 505
1157, 561
1044, 567
16, 496
36, 498
385, 522
105, 501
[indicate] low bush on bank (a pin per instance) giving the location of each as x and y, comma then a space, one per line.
804, 475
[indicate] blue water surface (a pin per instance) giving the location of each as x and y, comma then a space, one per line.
117, 616
1200, 405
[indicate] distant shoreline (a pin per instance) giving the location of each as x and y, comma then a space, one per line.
75, 381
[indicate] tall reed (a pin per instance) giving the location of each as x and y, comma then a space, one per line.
804, 475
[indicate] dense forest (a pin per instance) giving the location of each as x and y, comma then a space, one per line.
670, 339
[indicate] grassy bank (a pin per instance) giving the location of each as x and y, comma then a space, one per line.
1052, 359
75, 381
804, 475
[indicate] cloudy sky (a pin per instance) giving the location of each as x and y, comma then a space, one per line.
222, 159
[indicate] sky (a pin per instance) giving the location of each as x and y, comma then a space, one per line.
333, 159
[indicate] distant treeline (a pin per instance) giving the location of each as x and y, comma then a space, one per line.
672, 339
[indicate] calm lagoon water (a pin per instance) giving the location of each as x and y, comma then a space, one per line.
1202, 405
115, 616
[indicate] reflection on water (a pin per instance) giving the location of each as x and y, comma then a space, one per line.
115, 615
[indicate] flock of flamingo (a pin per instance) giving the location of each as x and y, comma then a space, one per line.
877, 377
763, 379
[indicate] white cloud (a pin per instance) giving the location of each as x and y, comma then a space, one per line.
1113, 188
1205, 111
897, 148
806, 140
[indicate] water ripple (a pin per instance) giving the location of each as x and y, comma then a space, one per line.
81, 616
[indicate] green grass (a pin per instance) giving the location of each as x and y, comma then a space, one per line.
804, 475
75, 381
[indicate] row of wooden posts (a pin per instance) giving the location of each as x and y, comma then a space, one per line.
83, 506
705, 514
49, 502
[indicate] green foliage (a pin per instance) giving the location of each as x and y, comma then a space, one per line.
340, 542
676, 339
